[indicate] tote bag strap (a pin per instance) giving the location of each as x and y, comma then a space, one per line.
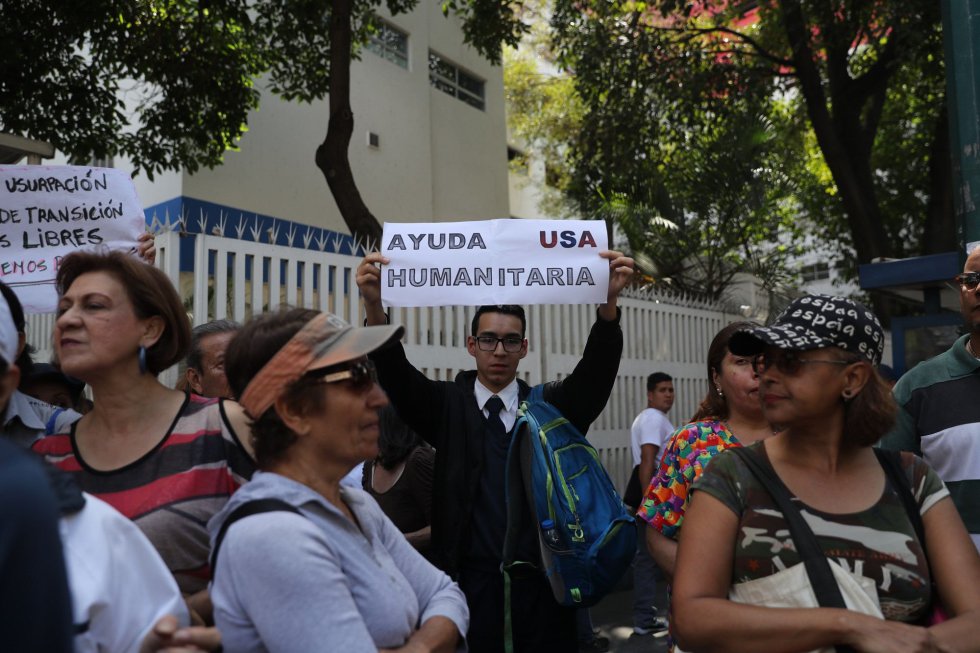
817, 565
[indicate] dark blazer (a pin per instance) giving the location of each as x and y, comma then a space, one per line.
447, 416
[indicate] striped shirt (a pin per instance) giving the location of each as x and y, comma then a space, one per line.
939, 419
172, 491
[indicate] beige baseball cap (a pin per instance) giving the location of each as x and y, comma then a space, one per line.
324, 341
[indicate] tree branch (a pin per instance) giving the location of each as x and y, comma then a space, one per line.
331, 156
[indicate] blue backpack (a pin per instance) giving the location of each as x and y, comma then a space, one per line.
586, 535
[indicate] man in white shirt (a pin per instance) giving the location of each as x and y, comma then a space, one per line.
649, 436
651, 429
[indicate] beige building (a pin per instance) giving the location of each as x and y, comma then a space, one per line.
429, 143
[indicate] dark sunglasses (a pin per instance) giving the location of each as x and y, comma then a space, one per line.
967, 280
489, 343
362, 375
788, 362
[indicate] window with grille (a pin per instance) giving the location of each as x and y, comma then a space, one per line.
390, 43
452, 80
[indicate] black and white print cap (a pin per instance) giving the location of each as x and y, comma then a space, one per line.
816, 321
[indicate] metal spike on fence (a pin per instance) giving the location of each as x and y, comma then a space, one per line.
240, 227
308, 237
337, 241
155, 224
322, 240
355, 245
256, 231
273, 232
369, 246
222, 221
291, 234
202, 222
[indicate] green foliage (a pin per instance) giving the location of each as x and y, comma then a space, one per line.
678, 151
899, 157
544, 113
73, 71
779, 116
73, 68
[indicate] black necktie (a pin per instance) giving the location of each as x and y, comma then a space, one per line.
494, 405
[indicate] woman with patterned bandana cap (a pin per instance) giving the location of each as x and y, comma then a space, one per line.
818, 384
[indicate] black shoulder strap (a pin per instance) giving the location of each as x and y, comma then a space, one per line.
245, 510
817, 565
891, 462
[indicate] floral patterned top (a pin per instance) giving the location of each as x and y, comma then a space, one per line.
690, 449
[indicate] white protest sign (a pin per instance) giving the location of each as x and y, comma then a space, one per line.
494, 262
47, 212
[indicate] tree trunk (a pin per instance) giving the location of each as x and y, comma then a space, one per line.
331, 156
939, 234
845, 147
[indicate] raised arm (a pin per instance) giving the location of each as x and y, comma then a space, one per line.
620, 273
368, 277
418, 400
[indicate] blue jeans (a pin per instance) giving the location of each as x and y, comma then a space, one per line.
644, 580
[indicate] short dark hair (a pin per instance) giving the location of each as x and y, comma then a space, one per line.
506, 309
25, 362
713, 404
248, 352
871, 413
150, 292
396, 441
202, 331
657, 377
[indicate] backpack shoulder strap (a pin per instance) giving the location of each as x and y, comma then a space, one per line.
241, 512
817, 566
537, 393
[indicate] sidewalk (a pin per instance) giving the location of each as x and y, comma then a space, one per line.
613, 616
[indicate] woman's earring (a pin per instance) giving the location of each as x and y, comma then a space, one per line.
141, 358
847, 394
720, 393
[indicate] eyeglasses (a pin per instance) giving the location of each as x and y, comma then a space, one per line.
489, 343
362, 375
788, 362
968, 280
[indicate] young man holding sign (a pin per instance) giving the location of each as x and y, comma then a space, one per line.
468, 421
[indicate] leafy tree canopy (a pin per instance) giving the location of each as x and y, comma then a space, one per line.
169, 83
829, 115
685, 162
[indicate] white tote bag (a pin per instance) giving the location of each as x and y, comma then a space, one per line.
791, 588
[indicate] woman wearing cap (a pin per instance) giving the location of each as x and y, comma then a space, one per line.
322, 568
162, 458
818, 383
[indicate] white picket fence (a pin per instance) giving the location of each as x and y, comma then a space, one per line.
237, 279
